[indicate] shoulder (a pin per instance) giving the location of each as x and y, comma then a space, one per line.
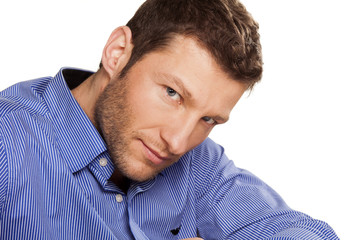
208, 160
20, 106
212, 168
207, 151
207, 155
27, 95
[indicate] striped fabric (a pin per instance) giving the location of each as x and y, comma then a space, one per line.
54, 171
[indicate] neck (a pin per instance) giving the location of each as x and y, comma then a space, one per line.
87, 93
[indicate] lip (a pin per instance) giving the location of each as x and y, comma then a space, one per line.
153, 155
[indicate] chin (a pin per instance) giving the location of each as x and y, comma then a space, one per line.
137, 168
142, 177
140, 173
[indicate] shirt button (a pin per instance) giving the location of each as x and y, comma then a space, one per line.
103, 162
119, 198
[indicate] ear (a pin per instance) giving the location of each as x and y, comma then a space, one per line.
117, 51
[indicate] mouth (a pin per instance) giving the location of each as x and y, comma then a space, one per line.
154, 156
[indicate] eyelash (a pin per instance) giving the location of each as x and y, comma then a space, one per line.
171, 93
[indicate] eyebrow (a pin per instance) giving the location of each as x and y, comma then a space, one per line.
177, 81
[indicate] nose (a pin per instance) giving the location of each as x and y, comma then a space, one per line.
179, 135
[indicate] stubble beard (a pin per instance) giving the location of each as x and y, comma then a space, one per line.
113, 118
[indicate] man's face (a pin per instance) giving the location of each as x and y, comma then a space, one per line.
166, 105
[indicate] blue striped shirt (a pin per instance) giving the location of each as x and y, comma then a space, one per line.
55, 170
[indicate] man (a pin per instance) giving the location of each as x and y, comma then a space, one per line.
123, 153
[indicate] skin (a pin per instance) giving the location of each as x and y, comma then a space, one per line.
166, 105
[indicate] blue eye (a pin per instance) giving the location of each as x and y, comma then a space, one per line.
173, 94
209, 120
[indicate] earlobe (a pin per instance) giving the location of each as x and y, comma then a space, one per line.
117, 50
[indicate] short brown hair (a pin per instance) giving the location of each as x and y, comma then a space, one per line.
223, 27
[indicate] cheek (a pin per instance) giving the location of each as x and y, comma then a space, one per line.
147, 107
198, 136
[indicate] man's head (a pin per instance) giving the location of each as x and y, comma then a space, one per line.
222, 27
174, 72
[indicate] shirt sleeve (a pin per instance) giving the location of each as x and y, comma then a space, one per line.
234, 204
3, 176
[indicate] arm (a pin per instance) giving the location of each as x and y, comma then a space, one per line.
234, 204
3, 177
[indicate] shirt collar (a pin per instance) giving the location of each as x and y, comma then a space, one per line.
77, 138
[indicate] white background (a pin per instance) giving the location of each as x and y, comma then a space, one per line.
298, 130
